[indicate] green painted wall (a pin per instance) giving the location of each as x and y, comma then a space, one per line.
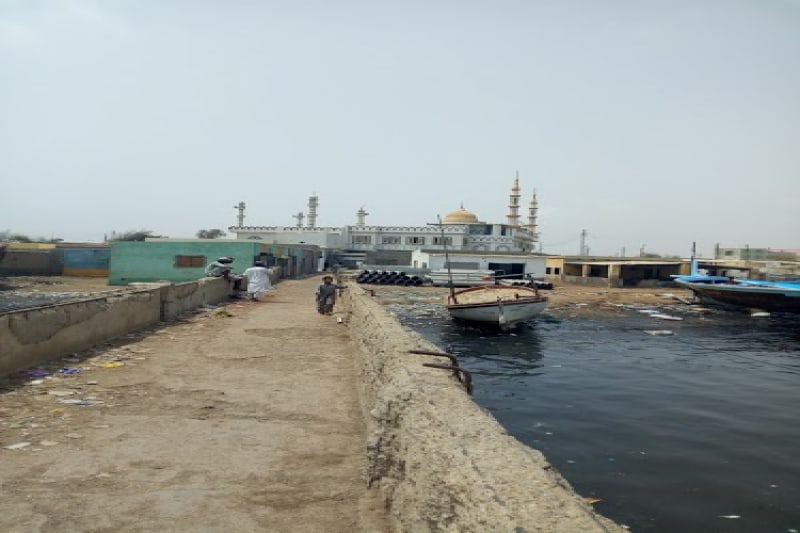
155, 261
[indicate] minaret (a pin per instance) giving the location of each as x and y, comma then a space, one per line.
513, 203
533, 210
299, 216
313, 203
240, 207
360, 216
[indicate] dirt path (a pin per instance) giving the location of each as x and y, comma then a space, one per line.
239, 419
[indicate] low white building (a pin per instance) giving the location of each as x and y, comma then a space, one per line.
508, 264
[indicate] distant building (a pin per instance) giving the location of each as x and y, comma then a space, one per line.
55, 259
461, 230
756, 254
177, 260
508, 265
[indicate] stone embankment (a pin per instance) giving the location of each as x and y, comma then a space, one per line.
442, 462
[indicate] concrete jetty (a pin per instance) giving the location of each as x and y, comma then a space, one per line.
267, 417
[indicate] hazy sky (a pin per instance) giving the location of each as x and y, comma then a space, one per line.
653, 123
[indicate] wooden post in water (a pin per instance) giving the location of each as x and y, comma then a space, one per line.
447, 262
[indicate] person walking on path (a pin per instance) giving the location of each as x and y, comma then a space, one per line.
326, 295
258, 282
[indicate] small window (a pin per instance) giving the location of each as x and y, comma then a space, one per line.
361, 239
548, 270
557, 271
443, 240
415, 240
390, 239
480, 229
190, 261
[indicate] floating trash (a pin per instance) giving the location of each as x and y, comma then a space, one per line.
77, 402
70, 371
730, 516
36, 373
591, 501
112, 365
17, 446
666, 317
659, 332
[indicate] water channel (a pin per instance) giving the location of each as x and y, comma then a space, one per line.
694, 432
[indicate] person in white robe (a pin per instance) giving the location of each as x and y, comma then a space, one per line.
258, 282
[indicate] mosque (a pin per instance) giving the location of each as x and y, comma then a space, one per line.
461, 231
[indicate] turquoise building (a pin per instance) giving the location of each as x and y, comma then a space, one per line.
186, 260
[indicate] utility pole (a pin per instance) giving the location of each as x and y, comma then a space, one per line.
584, 249
641, 250
240, 207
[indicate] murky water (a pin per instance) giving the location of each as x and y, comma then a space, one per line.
694, 432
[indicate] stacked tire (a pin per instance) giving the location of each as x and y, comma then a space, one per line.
388, 277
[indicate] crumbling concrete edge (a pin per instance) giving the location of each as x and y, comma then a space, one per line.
441, 462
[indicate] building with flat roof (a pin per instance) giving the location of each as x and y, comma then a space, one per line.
460, 230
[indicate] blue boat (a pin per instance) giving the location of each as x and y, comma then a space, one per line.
782, 296
696, 277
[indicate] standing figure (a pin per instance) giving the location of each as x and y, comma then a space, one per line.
258, 282
326, 295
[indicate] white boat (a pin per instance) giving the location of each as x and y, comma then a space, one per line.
496, 305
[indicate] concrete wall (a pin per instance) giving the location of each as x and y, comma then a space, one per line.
86, 261
33, 336
442, 462
32, 262
592, 282
182, 297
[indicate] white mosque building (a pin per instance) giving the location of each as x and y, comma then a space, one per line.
461, 231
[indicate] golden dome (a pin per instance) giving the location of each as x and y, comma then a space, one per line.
461, 216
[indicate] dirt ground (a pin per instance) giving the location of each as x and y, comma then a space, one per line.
56, 284
238, 418
563, 295
564, 299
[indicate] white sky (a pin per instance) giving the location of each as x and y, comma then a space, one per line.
652, 123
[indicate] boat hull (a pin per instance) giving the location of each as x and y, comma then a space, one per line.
766, 297
504, 307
